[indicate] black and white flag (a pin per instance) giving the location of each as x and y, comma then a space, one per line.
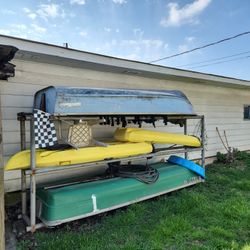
45, 132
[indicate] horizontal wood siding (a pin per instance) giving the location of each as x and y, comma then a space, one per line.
222, 106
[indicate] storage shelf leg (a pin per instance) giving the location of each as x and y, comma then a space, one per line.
24, 194
32, 177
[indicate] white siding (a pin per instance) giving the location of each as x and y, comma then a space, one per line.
222, 107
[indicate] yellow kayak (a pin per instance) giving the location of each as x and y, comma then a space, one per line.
142, 135
48, 158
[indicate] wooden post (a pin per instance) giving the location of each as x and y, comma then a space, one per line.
2, 239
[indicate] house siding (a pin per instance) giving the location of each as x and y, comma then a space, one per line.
222, 106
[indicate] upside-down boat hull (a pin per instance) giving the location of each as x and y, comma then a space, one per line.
92, 101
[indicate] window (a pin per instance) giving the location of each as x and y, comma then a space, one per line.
246, 112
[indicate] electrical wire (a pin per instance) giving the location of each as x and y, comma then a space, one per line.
201, 47
209, 64
214, 59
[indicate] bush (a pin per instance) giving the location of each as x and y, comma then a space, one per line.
233, 156
221, 158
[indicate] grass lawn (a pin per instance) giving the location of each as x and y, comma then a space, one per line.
210, 215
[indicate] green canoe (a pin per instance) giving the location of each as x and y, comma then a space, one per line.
63, 204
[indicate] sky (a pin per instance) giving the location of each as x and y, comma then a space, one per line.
141, 30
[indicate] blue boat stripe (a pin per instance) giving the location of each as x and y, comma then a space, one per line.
187, 164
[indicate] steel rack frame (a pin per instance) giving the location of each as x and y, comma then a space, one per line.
30, 219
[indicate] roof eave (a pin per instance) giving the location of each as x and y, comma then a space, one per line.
42, 52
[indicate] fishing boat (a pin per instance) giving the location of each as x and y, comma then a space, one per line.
92, 101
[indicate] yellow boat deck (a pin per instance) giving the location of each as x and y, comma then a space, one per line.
142, 135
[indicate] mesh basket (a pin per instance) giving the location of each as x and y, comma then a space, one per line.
80, 135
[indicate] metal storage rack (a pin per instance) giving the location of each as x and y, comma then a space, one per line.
33, 171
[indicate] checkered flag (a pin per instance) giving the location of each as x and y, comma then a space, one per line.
45, 132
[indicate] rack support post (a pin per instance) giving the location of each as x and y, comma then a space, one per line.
185, 133
203, 141
32, 177
23, 176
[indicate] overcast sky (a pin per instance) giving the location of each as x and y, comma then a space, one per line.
142, 30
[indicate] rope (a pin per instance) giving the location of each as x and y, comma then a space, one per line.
142, 173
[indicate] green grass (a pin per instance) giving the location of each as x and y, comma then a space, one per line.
210, 215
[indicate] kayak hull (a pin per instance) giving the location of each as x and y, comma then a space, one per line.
142, 135
48, 158
62, 204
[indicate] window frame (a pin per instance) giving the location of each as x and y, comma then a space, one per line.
246, 113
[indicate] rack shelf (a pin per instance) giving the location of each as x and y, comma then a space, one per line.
33, 171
